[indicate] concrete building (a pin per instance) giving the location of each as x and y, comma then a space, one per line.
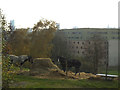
77, 37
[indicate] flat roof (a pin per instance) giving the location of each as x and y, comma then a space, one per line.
92, 28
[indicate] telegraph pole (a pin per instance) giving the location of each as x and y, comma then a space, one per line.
107, 59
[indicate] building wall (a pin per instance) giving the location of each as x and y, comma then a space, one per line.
73, 36
113, 52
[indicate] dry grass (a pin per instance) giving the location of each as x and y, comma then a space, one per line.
44, 68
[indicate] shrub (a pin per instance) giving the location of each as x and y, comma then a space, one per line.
7, 72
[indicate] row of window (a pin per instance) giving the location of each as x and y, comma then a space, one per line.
84, 42
115, 37
97, 32
92, 32
83, 52
79, 42
76, 47
75, 37
79, 52
105, 37
115, 32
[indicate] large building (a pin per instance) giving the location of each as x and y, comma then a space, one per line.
77, 37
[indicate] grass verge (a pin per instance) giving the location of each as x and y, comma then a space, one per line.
32, 82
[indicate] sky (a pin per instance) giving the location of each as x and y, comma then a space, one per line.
68, 13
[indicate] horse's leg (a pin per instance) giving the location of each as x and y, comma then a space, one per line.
77, 70
63, 68
75, 73
21, 66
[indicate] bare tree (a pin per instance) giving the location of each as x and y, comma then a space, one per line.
96, 50
60, 46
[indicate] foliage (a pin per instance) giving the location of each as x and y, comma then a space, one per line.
43, 33
7, 72
36, 43
7, 69
19, 42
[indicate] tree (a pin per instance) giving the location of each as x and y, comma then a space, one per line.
7, 69
60, 46
96, 51
36, 43
41, 37
19, 42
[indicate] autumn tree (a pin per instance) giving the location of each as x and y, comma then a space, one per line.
19, 42
41, 37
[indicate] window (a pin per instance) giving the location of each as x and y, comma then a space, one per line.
81, 47
82, 52
78, 42
77, 37
82, 42
105, 32
78, 52
105, 42
89, 42
113, 37
73, 32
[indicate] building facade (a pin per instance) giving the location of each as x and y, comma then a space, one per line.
76, 39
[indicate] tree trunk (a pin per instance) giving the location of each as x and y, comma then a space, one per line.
66, 68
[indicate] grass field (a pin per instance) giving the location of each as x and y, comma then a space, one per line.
112, 72
32, 82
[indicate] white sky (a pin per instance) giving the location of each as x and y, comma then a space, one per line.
69, 13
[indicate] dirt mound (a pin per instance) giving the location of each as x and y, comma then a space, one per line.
44, 68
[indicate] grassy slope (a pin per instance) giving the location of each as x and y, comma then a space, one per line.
32, 82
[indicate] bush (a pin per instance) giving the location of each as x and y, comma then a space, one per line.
7, 72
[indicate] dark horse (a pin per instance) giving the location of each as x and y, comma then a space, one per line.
70, 63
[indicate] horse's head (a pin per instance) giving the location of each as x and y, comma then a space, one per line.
60, 58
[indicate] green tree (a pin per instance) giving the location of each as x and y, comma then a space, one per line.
7, 69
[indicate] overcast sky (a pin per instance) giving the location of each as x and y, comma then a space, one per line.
69, 13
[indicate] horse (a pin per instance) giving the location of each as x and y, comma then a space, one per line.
69, 63
20, 60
